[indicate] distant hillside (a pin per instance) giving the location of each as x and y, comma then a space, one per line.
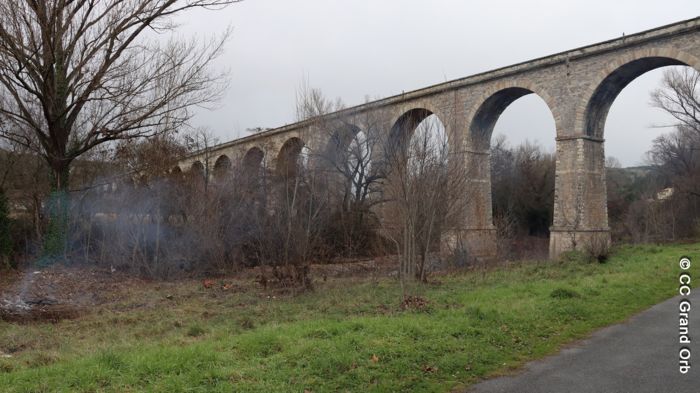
642, 171
633, 183
630, 174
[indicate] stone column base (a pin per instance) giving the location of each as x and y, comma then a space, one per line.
479, 243
566, 239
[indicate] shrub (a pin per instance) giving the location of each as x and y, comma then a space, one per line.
598, 249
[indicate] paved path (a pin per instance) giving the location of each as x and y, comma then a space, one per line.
640, 355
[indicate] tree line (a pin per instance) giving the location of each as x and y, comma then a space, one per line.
89, 89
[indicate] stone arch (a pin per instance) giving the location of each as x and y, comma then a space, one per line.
252, 160
419, 110
197, 169
580, 202
287, 164
348, 159
250, 173
493, 102
197, 174
340, 139
481, 120
175, 173
592, 110
405, 125
222, 167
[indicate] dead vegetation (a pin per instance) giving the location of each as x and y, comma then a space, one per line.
58, 292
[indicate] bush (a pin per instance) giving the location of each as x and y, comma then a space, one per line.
598, 249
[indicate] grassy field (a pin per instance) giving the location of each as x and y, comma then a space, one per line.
348, 335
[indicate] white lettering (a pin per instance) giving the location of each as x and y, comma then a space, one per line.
684, 353
684, 278
684, 306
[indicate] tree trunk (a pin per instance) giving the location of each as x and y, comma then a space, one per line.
55, 241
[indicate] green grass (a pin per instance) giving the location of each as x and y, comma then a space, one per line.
345, 336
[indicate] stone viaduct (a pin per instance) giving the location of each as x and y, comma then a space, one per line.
578, 85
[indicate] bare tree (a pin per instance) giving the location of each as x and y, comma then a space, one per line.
311, 102
677, 156
354, 144
202, 141
285, 231
679, 95
678, 153
154, 156
78, 74
427, 188
24, 178
672, 214
612, 162
343, 164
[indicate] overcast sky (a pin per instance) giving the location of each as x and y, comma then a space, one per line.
356, 48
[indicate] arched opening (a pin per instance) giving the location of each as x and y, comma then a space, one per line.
599, 104
197, 171
304, 160
420, 188
352, 182
417, 141
290, 160
641, 203
429, 148
175, 174
514, 130
346, 162
252, 174
490, 111
222, 167
358, 166
252, 160
403, 130
632, 123
336, 152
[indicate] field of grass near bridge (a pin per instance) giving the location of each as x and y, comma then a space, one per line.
347, 335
